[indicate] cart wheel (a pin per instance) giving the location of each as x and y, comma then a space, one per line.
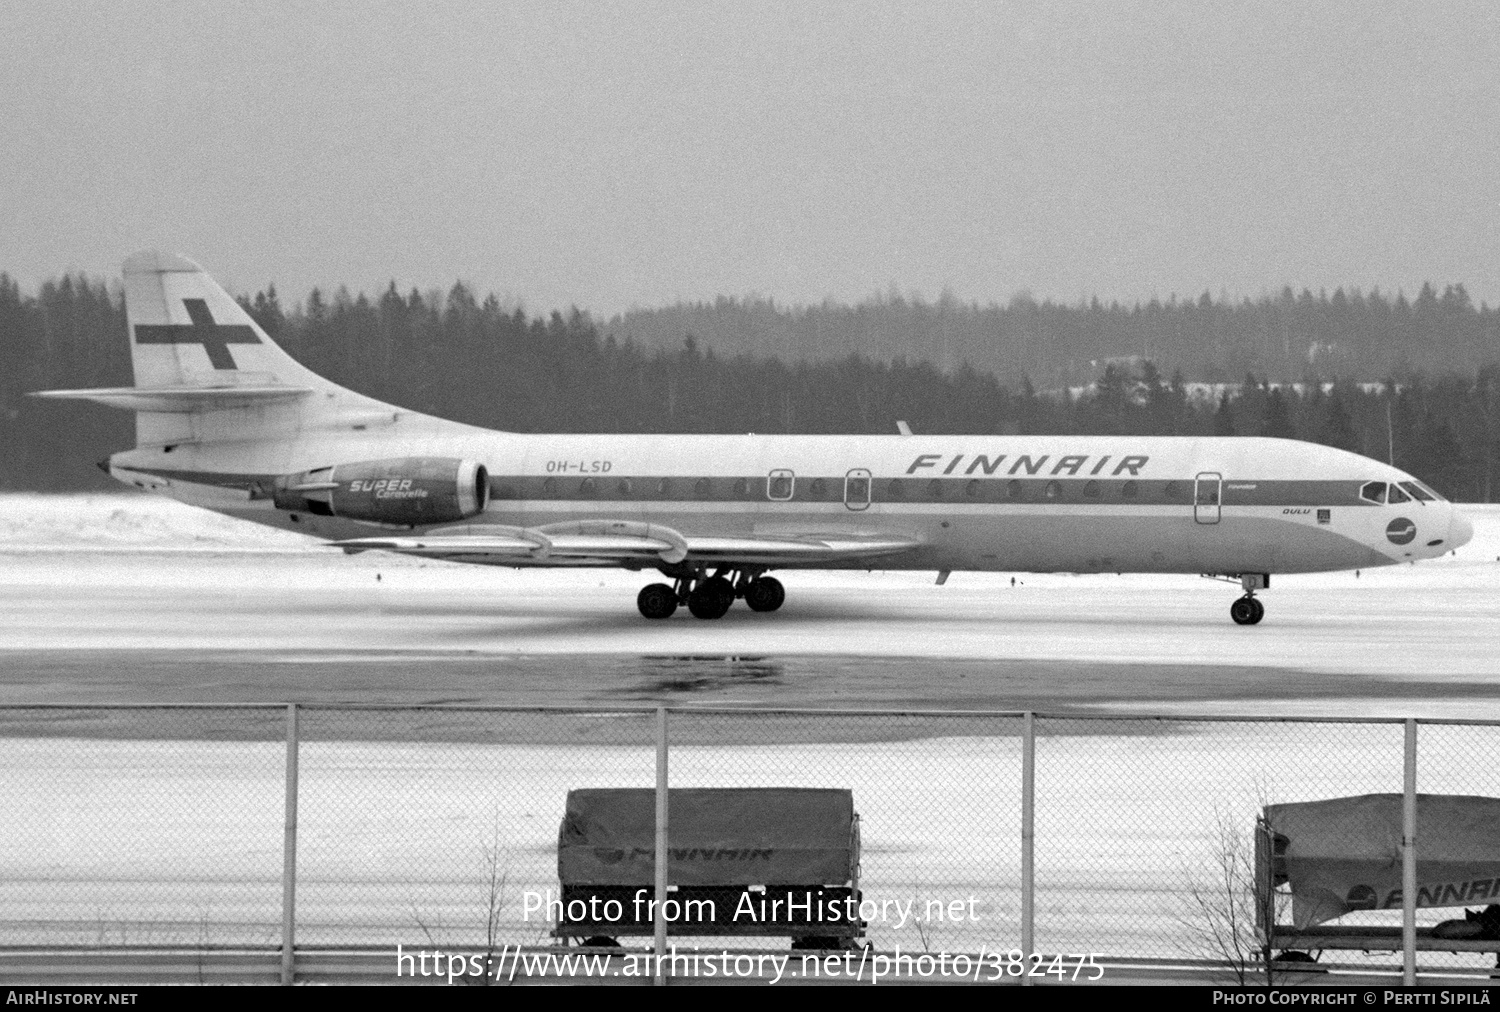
1297, 961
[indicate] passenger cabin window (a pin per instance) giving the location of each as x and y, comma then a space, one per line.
586, 487
623, 487
1373, 491
857, 491
664, 487
1173, 490
818, 488
1091, 490
1395, 495
1015, 490
741, 487
972, 488
935, 489
1417, 492
779, 486
1054, 490
895, 489
549, 487
703, 488
1129, 490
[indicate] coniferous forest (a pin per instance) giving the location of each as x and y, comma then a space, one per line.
1415, 382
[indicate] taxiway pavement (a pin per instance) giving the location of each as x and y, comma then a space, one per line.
136, 599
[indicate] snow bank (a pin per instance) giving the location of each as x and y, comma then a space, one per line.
128, 520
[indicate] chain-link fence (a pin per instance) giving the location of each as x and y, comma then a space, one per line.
1138, 822
438, 827
141, 826
938, 800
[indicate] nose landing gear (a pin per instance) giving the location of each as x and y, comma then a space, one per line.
1248, 610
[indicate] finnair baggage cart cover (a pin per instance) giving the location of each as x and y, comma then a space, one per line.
716, 836
1344, 854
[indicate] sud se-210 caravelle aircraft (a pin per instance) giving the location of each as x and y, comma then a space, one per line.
228, 421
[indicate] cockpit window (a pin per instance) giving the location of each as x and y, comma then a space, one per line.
1373, 491
1396, 495
1418, 492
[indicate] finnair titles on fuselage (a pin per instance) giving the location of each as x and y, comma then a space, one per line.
228, 421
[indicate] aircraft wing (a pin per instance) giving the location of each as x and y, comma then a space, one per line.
604, 542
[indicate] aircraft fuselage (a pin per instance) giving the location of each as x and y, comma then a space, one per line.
995, 503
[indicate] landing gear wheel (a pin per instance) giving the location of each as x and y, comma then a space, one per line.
1247, 611
656, 600
765, 594
711, 598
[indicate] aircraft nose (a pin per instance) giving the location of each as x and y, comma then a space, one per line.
1460, 530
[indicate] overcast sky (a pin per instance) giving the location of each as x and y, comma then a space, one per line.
636, 154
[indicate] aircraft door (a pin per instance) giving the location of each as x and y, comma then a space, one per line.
857, 489
1207, 490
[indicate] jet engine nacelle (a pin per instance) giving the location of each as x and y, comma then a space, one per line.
404, 491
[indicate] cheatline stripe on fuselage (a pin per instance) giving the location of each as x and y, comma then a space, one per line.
678, 490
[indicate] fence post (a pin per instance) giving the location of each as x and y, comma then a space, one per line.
1028, 839
1409, 860
289, 855
660, 977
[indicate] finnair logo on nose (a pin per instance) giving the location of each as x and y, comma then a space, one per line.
1400, 531
215, 337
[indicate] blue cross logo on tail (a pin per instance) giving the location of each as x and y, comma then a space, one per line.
215, 337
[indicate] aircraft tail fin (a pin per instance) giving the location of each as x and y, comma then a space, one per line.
205, 372
187, 332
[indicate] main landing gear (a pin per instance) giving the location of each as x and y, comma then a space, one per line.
656, 601
710, 596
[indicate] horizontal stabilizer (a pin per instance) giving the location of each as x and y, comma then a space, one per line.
179, 399
628, 541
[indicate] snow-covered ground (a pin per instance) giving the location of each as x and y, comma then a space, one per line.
128, 520
136, 572
171, 842
174, 841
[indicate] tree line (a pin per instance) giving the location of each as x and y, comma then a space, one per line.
1351, 334
475, 360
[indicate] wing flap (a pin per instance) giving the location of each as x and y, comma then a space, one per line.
811, 549
608, 546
